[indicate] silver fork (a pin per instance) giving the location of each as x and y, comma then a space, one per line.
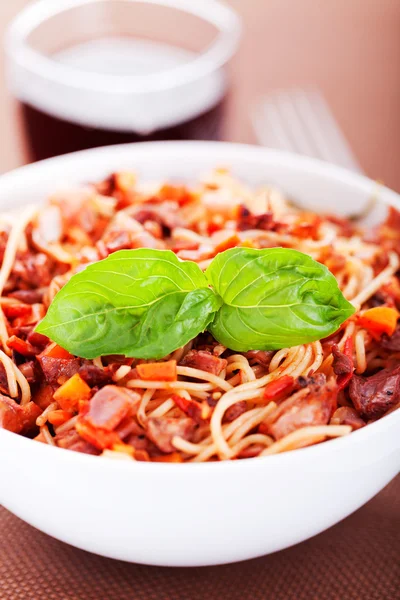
300, 120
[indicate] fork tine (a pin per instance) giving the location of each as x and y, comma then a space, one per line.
301, 121
295, 126
268, 127
323, 129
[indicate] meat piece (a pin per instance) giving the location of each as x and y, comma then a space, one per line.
3, 381
140, 442
33, 269
162, 430
118, 239
312, 405
205, 361
345, 415
165, 213
56, 368
71, 440
391, 343
10, 417
109, 406
373, 396
94, 376
315, 381
43, 397
29, 296
30, 371
29, 413
246, 220
260, 357
234, 411
343, 365
346, 228
16, 418
37, 339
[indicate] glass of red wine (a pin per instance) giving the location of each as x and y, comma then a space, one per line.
90, 73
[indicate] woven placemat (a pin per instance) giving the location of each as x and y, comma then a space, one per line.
358, 559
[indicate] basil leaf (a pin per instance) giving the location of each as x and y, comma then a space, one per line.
143, 303
274, 298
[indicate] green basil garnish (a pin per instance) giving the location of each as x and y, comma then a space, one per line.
143, 303
147, 303
274, 298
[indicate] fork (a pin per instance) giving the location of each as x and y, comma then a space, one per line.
300, 120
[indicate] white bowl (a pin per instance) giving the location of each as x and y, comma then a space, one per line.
196, 514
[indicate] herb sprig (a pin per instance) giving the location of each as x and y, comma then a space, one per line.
146, 303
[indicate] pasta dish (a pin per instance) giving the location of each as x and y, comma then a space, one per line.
174, 323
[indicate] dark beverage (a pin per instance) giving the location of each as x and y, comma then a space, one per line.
102, 107
50, 136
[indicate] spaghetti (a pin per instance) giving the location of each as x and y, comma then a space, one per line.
206, 403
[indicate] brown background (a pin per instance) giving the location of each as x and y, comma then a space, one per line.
349, 48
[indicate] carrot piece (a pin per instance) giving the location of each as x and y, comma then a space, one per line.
123, 448
178, 193
162, 371
379, 320
230, 242
55, 351
59, 417
141, 455
174, 457
72, 392
276, 390
99, 438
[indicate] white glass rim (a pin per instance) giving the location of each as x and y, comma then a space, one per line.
215, 56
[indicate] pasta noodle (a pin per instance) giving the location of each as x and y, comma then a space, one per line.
218, 404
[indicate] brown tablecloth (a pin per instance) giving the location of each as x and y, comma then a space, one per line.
358, 559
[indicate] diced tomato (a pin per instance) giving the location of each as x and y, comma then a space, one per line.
178, 193
162, 371
20, 346
16, 310
55, 351
278, 389
192, 409
100, 438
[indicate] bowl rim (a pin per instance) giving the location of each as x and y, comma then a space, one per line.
225, 150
